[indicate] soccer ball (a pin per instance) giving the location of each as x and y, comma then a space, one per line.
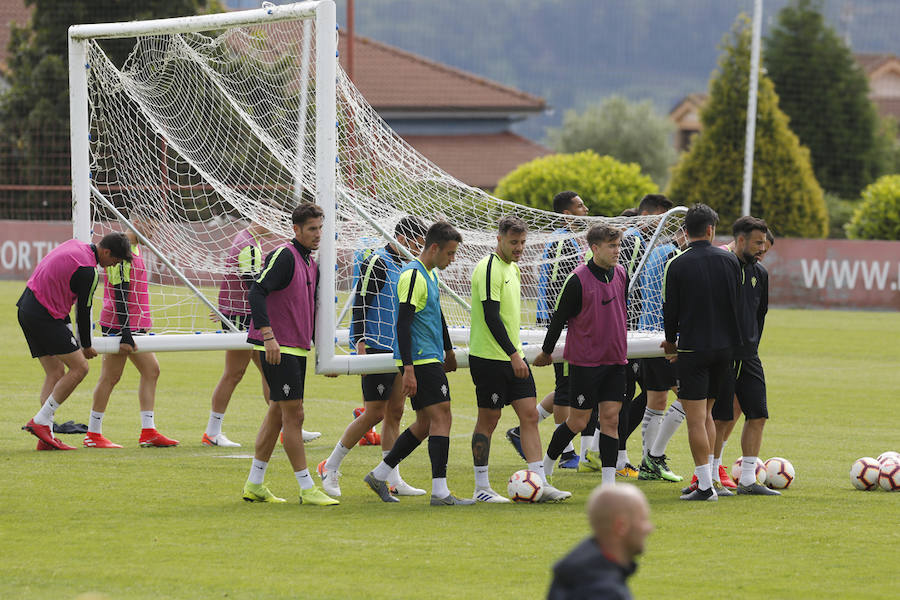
525, 486
889, 475
864, 473
890, 454
779, 473
760, 471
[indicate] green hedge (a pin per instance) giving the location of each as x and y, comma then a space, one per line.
878, 215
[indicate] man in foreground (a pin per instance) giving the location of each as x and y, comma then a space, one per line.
600, 565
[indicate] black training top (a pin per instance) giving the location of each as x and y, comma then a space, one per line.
701, 289
586, 574
754, 298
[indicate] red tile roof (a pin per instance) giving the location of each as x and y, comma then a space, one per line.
391, 79
11, 11
479, 160
870, 62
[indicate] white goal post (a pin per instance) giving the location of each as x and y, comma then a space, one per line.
209, 128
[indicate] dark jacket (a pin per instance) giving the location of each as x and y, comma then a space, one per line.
586, 573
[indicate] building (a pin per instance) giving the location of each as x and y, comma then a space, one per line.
459, 121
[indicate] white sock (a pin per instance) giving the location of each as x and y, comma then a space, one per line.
304, 479
704, 477
569, 448
257, 471
585, 445
336, 457
607, 475
715, 469
670, 423
95, 425
748, 470
621, 459
542, 413
548, 466
214, 426
147, 420
48, 410
538, 467
439, 487
650, 428
382, 471
481, 477
595, 441
724, 443
394, 478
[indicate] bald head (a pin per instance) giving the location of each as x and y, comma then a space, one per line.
619, 516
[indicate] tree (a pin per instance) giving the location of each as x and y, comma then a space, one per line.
785, 192
34, 111
628, 132
606, 185
878, 215
825, 93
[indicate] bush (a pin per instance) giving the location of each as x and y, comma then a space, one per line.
840, 211
878, 215
606, 185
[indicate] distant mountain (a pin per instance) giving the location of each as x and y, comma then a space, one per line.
575, 52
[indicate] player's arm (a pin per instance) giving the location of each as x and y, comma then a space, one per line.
119, 278
369, 285
83, 283
763, 301
567, 306
670, 310
449, 354
276, 275
406, 288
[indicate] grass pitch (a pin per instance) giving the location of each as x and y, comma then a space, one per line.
169, 523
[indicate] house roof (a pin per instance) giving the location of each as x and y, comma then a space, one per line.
391, 78
11, 11
872, 62
480, 160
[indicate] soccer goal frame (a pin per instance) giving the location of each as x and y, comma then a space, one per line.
324, 15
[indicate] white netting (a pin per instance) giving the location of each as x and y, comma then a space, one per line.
202, 134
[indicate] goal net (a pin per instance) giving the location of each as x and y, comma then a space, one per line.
210, 126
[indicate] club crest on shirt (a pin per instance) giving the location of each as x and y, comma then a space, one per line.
753, 281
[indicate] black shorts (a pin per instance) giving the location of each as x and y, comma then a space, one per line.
376, 387
286, 379
242, 322
432, 386
561, 388
589, 386
659, 374
750, 388
707, 374
496, 385
45, 335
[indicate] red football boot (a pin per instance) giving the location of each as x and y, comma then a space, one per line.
153, 438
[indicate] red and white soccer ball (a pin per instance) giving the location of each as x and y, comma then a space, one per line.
864, 473
779, 473
525, 486
760, 471
889, 475
890, 454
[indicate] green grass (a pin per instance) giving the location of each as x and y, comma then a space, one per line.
169, 523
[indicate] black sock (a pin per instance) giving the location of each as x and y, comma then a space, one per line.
609, 449
439, 453
561, 438
624, 429
636, 413
403, 447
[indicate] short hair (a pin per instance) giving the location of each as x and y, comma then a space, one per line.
629, 212
410, 227
118, 245
770, 237
698, 218
654, 202
601, 232
747, 224
306, 211
563, 200
440, 233
511, 224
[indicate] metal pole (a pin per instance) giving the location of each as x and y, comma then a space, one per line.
750, 138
